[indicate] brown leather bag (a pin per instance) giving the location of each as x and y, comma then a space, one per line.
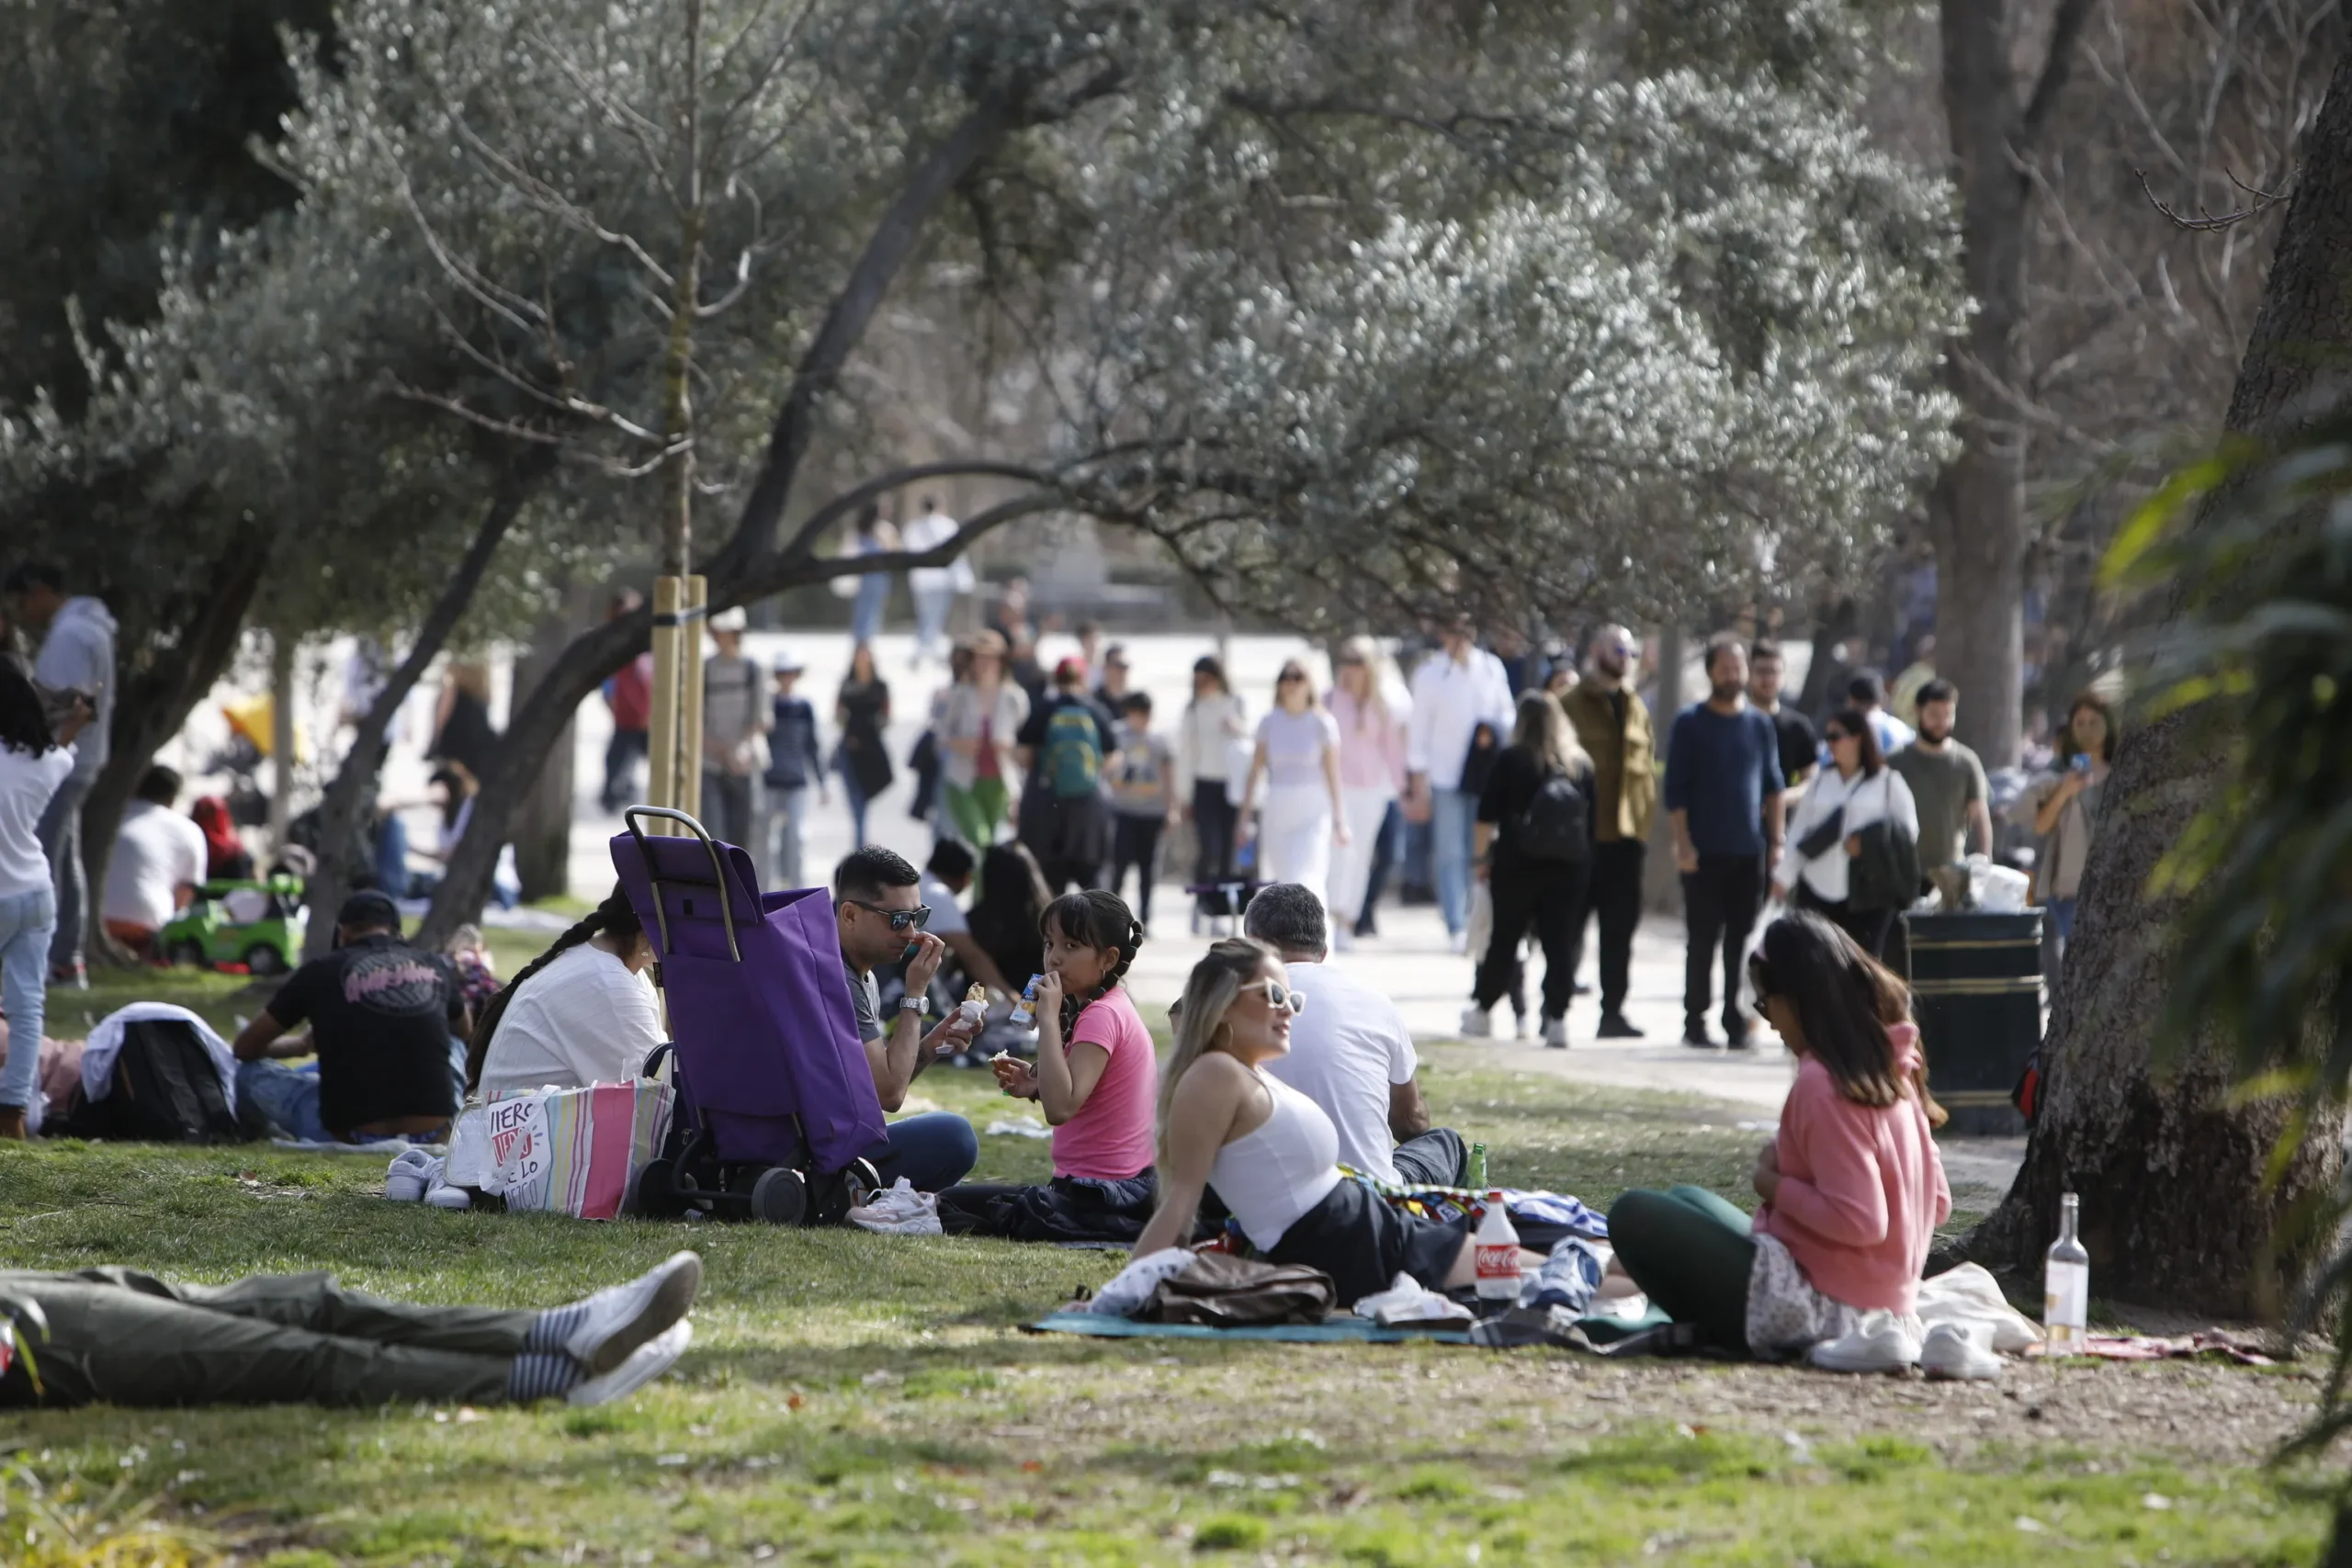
1222, 1290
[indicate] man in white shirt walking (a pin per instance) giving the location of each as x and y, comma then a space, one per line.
935, 587
1455, 691
157, 865
1350, 1051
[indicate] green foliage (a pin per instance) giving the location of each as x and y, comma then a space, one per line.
2260, 664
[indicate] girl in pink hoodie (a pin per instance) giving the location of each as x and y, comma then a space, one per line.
1852, 1188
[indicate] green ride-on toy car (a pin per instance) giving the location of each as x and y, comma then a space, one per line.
257, 924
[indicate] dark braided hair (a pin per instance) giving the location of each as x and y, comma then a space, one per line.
614, 918
1095, 919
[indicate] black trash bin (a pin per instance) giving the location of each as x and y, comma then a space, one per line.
1976, 989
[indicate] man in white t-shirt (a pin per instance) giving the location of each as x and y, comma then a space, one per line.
1350, 1051
157, 865
934, 587
943, 882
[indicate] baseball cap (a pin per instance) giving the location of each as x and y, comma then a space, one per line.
733, 620
369, 908
1070, 669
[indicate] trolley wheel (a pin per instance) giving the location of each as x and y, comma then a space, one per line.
188, 952
263, 961
648, 1196
780, 1196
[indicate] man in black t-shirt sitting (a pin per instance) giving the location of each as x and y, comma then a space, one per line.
377, 1010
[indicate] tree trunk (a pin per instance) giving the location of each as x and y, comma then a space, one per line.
1980, 537
353, 789
154, 697
282, 700
1661, 876
543, 823
1833, 623
2175, 1205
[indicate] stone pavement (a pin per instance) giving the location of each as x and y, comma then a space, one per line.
1410, 960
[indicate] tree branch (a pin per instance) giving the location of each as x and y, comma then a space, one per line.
2206, 222
981, 130
2055, 67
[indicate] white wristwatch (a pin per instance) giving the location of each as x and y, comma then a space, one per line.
914, 1004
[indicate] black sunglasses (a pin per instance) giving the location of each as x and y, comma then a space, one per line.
918, 916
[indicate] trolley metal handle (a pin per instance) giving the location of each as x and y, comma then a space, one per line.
718, 871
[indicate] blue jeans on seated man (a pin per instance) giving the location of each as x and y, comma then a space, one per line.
934, 1151
282, 1101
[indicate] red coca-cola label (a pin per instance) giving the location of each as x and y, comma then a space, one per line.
1499, 1261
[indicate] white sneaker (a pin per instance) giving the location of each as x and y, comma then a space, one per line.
1477, 1023
412, 1173
642, 1365
1519, 1028
1556, 1034
439, 1194
624, 1317
1953, 1351
1878, 1344
1458, 943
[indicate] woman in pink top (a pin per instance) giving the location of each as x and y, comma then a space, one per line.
1372, 773
1853, 1187
1095, 1078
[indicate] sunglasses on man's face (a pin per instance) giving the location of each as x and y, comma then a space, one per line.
918, 916
1277, 995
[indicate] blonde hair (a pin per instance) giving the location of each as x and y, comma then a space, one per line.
1229, 964
1543, 728
1373, 712
472, 677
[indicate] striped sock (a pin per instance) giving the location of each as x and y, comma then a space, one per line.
543, 1375
555, 1326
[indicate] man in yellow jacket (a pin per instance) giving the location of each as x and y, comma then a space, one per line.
1613, 725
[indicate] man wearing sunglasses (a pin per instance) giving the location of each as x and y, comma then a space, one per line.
879, 917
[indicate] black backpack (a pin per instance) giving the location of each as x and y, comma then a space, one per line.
166, 1089
1557, 823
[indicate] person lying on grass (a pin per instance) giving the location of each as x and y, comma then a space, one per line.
113, 1336
1853, 1187
1095, 1077
1271, 1153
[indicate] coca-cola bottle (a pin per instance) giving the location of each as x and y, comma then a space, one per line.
1497, 1253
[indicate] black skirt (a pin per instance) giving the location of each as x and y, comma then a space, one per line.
1363, 1244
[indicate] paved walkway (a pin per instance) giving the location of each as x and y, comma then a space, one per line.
1410, 959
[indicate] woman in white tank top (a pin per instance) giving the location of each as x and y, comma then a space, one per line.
1271, 1153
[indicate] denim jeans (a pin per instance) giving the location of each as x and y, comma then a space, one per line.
727, 807
934, 1151
791, 805
60, 841
28, 920
865, 617
288, 1097
1453, 813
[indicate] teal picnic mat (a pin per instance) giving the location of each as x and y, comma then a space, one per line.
1336, 1330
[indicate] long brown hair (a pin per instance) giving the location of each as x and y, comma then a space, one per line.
1209, 991
1543, 732
1845, 1003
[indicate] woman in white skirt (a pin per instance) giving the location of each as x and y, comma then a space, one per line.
1372, 773
1301, 817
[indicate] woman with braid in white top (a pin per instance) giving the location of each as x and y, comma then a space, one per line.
1273, 1153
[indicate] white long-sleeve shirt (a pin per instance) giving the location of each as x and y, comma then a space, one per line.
1866, 800
1204, 740
1450, 701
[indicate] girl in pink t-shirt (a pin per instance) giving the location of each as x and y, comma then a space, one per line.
1852, 1185
1095, 1078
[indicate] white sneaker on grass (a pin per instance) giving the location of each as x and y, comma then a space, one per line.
1956, 1352
645, 1363
1477, 1023
1880, 1343
1556, 1034
624, 1317
412, 1173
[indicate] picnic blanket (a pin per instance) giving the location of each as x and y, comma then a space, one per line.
1332, 1330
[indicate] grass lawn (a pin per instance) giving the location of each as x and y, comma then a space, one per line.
854, 1399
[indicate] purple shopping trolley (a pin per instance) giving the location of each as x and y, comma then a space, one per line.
776, 1102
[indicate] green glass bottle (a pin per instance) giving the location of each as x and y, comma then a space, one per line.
1476, 1177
